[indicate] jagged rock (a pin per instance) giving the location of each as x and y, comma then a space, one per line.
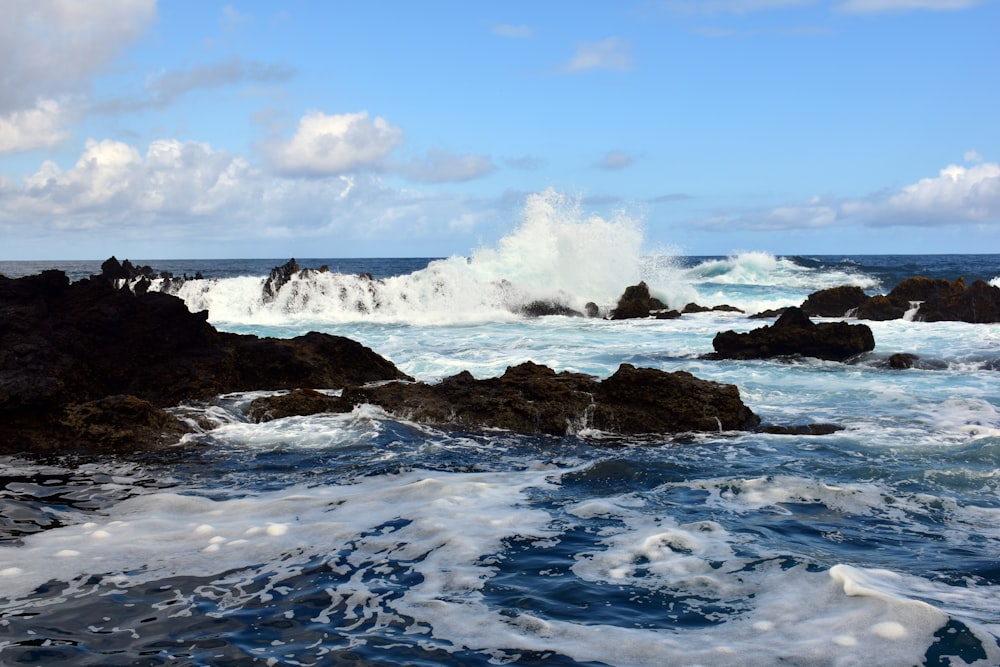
64, 344
935, 300
636, 302
530, 398
769, 314
724, 308
279, 276
542, 308
979, 303
880, 308
295, 402
591, 309
834, 302
119, 424
794, 334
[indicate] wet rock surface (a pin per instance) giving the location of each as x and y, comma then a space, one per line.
794, 334
929, 300
530, 398
64, 346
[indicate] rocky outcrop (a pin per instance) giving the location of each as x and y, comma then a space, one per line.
835, 302
723, 308
530, 398
636, 302
65, 348
794, 334
933, 300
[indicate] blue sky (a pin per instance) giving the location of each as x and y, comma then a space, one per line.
206, 129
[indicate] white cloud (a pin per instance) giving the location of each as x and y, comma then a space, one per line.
879, 6
612, 53
113, 182
513, 31
28, 129
117, 197
51, 48
956, 194
325, 145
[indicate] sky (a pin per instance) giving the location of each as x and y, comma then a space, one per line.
193, 129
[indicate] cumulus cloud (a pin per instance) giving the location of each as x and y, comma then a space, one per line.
185, 191
957, 195
325, 145
42, 126
612, 53
879, 6
113, 182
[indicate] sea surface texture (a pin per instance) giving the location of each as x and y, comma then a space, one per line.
359, 539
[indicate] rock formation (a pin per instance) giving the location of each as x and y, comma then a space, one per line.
934, 300
636, 302
66, 348
530, 398
794, 334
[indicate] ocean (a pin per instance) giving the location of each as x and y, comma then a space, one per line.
364, 539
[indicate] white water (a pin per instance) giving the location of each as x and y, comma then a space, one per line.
556, 254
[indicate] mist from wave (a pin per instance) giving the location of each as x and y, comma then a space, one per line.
558, 256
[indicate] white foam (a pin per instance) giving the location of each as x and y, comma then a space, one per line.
450, 529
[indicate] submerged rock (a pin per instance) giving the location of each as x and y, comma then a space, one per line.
794, 334
530, 398
63, 346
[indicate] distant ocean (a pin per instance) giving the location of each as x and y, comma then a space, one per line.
363, 539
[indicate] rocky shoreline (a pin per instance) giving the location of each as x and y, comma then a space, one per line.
94, 366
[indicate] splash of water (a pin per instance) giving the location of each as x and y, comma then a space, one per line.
557, 255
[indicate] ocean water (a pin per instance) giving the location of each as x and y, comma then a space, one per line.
362, 539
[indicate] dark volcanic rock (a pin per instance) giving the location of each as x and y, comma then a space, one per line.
279, 276
902, 360
769, 314
880, 308
295, 402
935, 300
65, 345
542, 308
636, 302
794, 334
723, 308
530, 398
978, 303
834, 302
